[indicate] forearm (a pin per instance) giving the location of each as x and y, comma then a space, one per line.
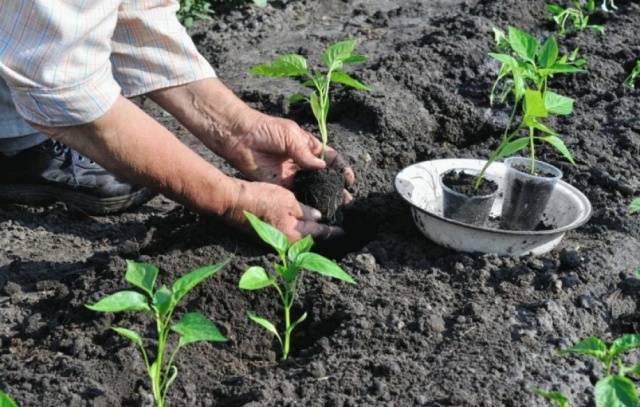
132, 145
209, 110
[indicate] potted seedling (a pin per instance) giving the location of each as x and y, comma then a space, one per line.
161, 303
467, 197
526, 67
285, 277
319, 189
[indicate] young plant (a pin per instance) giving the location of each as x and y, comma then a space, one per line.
634, 207
293, 258
525, 70
633, 76
576, 14
610, 3
6, 401
192, 327
556, 398
614, 389
193, 10
335, 58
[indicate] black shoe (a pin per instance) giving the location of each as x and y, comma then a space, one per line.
52, 172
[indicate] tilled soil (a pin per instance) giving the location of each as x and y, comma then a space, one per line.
424, 325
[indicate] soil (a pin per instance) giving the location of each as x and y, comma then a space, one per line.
464, 183
425, 325
321, 190
537, 172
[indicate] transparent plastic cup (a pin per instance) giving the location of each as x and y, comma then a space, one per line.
469, 209
525, 195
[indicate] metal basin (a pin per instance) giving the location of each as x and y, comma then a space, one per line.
419, 185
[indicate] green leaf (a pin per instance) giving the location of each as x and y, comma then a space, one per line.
318, 112
254, 278
129, 334
301, 246
504, 58
335, 55
286, 65
615, 391
354, 59
549, 53
559, 145
560, 68
265, 324
557, 104
121, 301
297, 322
344, 79
321, 265
6, 401
597, 28
590, 6
162, 300
296, 98
260, 3
556, 398
523, 44
499, 37
187, 282
194, 327
591, 346
512, 147
634, 207
141, 275
270, 235
534, 104
623, 344
555, 9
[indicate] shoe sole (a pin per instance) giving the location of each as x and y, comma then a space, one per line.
44, 194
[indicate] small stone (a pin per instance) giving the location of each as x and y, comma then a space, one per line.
366, 262
536, 264
317, 369
436, 323
12, 289
569, 258
586, 301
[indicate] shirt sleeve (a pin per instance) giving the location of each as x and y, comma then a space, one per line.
54, 56
152, 50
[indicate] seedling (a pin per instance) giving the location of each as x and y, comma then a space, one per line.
615, 389
576, 14
335, 58
556, 398
610, 3
285, 277
634, 207
192, 327
6, 401
526, 67
633, 76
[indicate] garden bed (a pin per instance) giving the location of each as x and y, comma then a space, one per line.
424, 325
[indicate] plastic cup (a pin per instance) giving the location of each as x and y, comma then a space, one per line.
469, 209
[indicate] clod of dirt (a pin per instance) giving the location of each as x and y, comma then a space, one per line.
463, 183
321, 190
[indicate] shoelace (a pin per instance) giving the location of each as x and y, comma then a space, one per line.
74, 157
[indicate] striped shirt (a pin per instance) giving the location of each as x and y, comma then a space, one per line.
65, 62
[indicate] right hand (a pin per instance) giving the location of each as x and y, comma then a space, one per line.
279, 207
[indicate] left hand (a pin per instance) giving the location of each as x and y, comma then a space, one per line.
273, 149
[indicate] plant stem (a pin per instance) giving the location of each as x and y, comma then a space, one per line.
533, 151
287, 333
156, 377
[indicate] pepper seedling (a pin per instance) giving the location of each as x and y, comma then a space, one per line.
525, 70
335, 58
633, 76
293, 258
6, 401
615, 389
576, 14
192, 327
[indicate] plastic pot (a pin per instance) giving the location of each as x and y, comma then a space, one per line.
465, 207
526, 195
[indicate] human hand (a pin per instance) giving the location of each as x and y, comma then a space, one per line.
272, 149
278, 206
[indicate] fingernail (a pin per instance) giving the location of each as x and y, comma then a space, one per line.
316, 214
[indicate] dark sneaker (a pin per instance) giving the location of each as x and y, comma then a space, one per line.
52, 172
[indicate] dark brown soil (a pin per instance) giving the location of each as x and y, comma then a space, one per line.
537, 172
464, 183
321, 190
424, 326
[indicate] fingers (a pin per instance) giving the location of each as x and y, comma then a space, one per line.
318, 230
346, 197
301, 149
336, 161
309, 213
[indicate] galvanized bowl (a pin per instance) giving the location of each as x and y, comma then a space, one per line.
419, 185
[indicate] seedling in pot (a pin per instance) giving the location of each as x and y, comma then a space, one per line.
192, 327
614, 389
6, 401
335, 58
578, 16
633, 76
284, 279
464, 202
